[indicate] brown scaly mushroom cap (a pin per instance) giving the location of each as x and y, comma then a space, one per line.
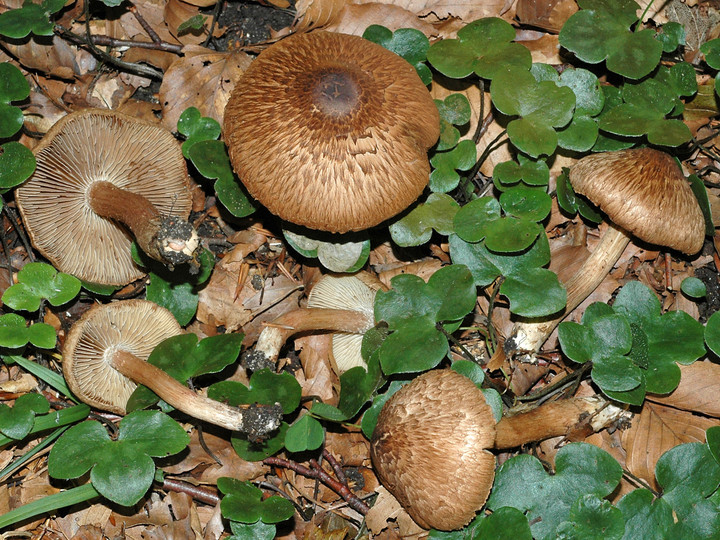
61, 203
644, 193
661, 209
428, 449
135, 326
331, 131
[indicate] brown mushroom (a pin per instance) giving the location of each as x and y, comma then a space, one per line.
342, 304
430, 444
104, 358
331, 131
644, 194
99, 167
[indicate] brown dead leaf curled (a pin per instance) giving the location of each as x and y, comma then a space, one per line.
355, 18
317, 13
656, 430
176, 13
50, 55
465, 10
549, 15
698, 390
202, 78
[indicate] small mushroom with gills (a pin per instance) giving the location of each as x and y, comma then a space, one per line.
104, 359
331, 131
430, 447
99, 168
342, 304
645, 195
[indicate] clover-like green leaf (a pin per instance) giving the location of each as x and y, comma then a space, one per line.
580, 469
305, 434
711, 50
570, 203
370, 417
17, 162
196, 127
211, 160
527, 171
712, 333
121, 470
672, 338
252, 531
265, 388
601, 31
689, 474
645, 516
671, 35
415, 228
244, 503
347, 253
592, 518
454, 111
413, 308
175, 290
484, 47
542, 106
17, 421
532, 291
15, 333
30, 18
257, 451
444, 177
183, 357
37, 281
531, 204
713, 441
693, 287
356, 388
13, 87
409, 43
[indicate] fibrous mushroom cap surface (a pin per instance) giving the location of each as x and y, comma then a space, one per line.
135, 326
429, 449
643, 191
331, 131
85, 147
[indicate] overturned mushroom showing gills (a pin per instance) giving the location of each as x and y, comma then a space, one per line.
429, 447
331, 131
104, 359
96, 169
644, 194
343, 304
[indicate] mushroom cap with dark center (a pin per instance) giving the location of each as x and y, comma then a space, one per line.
429, 449
331, 131
643, 191
135, 326
99, 145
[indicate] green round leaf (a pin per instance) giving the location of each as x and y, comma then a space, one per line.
17, 163
305, 434
693, 287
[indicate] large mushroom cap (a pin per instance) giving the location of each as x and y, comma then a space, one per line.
428, 449
99, 145
643, 191
135, 326
331, 131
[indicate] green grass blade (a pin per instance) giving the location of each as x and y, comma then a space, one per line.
48, 504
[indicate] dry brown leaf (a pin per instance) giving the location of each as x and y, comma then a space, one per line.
423, 269
351, 449
698, 390
544, 48
656, 430
317, 377
317, 13
50, 55
176, 13
355, 18
549, 15
465, 10
202, 78
387, 513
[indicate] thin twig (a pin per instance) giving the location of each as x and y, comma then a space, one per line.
572, 378
318, 473
215, 16
12, 216
199, 493
107, 41
146, 26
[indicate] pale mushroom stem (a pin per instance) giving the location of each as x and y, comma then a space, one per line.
168, 239
257, 421
528, 337
267, 348
555, 419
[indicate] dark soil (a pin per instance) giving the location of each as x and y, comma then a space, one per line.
251, 22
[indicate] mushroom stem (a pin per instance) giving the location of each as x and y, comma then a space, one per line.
267, 348
555, 419
168, 239
256, 421
528, 337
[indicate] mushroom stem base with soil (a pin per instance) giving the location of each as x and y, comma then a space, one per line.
528, 337
267, 348
168, 239
255, 421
